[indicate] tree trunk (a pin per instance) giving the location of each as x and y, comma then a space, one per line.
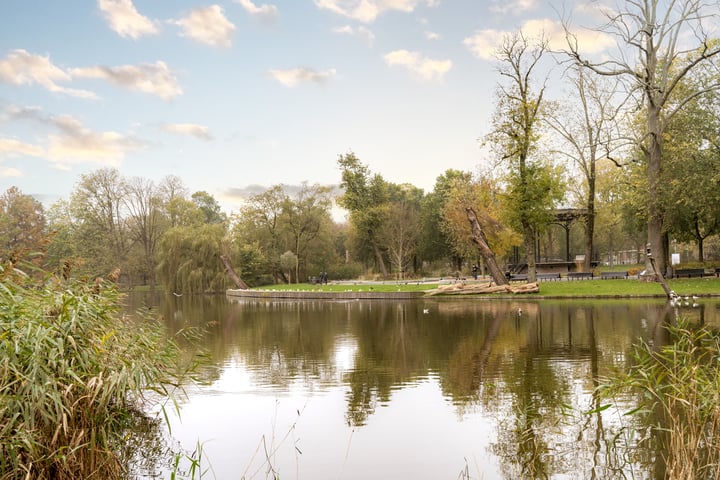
479, 239
231, 271
531, 251
655, 198
379, 259
590, 219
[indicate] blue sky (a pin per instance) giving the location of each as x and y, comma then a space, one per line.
237, 94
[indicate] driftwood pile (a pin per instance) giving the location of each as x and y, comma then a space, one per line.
462, 288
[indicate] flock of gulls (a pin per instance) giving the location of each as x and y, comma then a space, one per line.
680, 301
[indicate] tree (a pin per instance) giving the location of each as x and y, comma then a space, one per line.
146, 223
304, 218
587, 129
435, 243
97, 204
691, 181
472, 221
190, 259
22, 225
365, 198
209, 207
260, 221
533, 185
655, 33
174, 195
289, 262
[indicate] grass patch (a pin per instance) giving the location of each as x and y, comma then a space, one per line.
629, 288
575, 288
357, 287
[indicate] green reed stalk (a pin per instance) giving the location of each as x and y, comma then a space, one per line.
678, 387
73, 373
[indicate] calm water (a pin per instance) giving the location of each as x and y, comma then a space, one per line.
425, 389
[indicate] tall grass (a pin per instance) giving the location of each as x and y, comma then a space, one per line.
73, 374
678, 387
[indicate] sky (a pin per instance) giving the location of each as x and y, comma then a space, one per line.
236, 96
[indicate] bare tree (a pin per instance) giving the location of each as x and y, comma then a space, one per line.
146, 221
588, 127
655, 33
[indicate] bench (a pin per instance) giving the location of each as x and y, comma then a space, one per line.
579, 275
606, 275
517, 277
548, 276
689, 272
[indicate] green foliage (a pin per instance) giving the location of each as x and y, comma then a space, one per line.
190, 259
532, 194
73, 375
435, 243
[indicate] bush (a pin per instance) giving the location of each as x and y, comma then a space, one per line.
73, 373
348, 271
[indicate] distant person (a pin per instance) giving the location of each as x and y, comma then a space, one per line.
475, 270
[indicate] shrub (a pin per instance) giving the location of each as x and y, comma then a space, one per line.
73, 375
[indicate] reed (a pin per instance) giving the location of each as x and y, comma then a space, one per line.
74, 373
678, 390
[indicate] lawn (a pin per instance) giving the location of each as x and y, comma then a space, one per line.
578, 288
630, 287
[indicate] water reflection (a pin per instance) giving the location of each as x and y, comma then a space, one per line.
372, 389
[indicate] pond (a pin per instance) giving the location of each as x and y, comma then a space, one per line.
422, 389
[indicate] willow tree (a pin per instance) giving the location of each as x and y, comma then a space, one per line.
533, 185
659, 44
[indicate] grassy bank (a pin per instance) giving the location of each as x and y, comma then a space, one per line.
709, 286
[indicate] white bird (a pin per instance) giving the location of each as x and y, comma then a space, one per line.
426, 311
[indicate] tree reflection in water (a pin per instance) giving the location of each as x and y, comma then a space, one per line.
533, 375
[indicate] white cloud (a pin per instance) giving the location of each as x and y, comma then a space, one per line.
413, 61
6, 172
294, 76
359, 31
484, 43
10, 147
368, 10
76, 144
432, 35
516, 7
70, 143
191, 129
266, 11
125, 20
207, 25
23, 68
153, 78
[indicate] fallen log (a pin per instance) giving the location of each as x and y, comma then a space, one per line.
231, 271
484, 288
